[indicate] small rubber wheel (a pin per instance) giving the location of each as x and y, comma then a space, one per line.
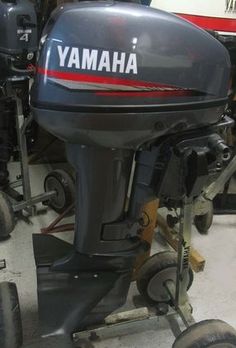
208, 333
7, 218
61, 182
154, 273
204, 222
10, 318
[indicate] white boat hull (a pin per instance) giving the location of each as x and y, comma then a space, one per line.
218, 15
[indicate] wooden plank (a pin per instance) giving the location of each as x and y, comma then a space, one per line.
197, 261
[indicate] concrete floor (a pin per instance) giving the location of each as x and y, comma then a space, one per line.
213, 294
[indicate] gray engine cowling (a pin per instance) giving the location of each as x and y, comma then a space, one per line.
117, 74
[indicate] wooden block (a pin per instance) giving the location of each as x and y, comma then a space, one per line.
197, 261
134, 314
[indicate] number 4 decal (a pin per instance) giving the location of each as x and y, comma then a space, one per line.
24, 37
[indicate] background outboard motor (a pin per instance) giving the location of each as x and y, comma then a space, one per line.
18, 36
18, 46
119, 82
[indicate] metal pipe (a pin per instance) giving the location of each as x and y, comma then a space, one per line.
212, 190
33, 200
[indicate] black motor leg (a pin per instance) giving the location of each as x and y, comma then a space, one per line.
80, 284
102, 183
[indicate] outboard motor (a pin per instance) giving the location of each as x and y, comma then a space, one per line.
18, 36
18, 46
121, 83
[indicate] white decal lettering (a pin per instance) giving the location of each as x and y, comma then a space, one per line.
230, 5
105, 62
92, 59
118, 62
132, 64
62, 54
24, 37
74, 58
89, 59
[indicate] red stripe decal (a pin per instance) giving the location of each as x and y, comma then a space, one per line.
84, 78
211, 23
147, 94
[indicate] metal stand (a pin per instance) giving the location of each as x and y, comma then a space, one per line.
26, 201
178, 291
212, 191
225, 176
130, 323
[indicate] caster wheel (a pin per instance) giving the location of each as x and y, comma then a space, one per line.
204, 222
207, 333
7, 218
154, 273
61, 182
10, 318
